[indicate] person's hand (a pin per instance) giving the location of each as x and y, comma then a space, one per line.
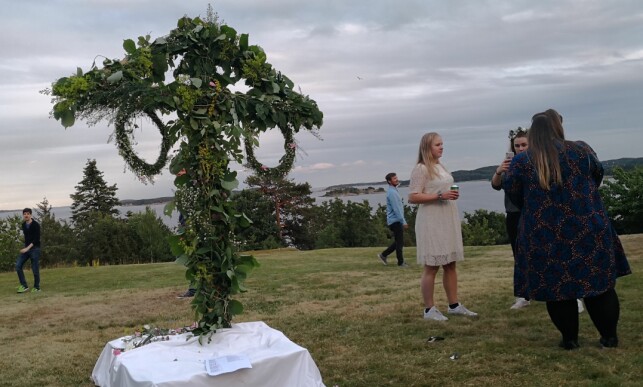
406, 226
23, 250
503, 167
450, 195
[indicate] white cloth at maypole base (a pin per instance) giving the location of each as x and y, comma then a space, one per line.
275, 361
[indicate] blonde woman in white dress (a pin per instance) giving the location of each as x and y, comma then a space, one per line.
437, 227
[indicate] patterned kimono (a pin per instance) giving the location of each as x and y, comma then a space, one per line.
566, 246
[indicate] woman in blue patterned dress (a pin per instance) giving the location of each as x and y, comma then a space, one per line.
566, 246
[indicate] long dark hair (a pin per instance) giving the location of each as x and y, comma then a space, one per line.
543, 137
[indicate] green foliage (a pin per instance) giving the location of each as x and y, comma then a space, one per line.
410, 214
349, 224
152, 236
43, 209
58, 242
623, 198
212, 125
93, 195
289, 204
106, 240
10, 241
300, 224
329, 237
263, 233
484, 228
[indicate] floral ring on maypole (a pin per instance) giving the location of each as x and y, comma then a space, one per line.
285, 162
123, 134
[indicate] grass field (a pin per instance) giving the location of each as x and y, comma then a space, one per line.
361, 321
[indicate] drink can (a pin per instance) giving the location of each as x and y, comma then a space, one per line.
455, 187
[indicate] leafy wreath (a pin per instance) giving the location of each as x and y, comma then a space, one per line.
140, 167
285, 163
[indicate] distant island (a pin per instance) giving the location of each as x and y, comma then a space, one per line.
145, 202
352, 191
485, 173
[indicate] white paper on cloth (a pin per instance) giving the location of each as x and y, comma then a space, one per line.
224, 364
275, 360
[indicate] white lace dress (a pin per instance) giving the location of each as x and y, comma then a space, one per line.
438, 231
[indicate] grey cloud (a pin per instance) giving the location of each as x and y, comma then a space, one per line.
469, 70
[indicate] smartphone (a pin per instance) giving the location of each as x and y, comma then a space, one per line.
509, 155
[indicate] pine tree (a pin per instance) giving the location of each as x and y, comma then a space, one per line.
93, 196
43, 209
289, 200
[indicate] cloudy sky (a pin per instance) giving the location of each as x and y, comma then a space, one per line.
383, 72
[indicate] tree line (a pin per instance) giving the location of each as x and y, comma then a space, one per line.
283, 214
95, 234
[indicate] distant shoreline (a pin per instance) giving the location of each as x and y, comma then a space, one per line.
486, 173
480, 174
123, 203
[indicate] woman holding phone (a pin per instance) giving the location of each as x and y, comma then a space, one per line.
518, 143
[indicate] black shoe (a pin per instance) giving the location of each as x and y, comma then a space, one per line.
188, 294
382, 258
609, 342
569, 345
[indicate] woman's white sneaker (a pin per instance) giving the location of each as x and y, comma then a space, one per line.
520, 303
434, 314
461, 310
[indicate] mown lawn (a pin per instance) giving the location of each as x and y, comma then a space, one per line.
361, 321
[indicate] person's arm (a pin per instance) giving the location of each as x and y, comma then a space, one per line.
26, 248
25, 232
423, 198
595, 166
36, 234
512, 184
496, 180
397, 206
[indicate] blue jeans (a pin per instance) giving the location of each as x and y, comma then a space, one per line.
34, 255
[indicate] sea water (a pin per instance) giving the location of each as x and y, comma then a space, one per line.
474, 195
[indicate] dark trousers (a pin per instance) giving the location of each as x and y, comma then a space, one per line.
603, 309
512, 228
511, 221
34, 255
398, 242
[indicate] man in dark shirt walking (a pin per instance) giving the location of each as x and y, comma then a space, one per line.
31, 231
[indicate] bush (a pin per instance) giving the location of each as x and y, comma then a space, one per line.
350, 224
484, 228
59, 245
152, 235
623, 198
10, 241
